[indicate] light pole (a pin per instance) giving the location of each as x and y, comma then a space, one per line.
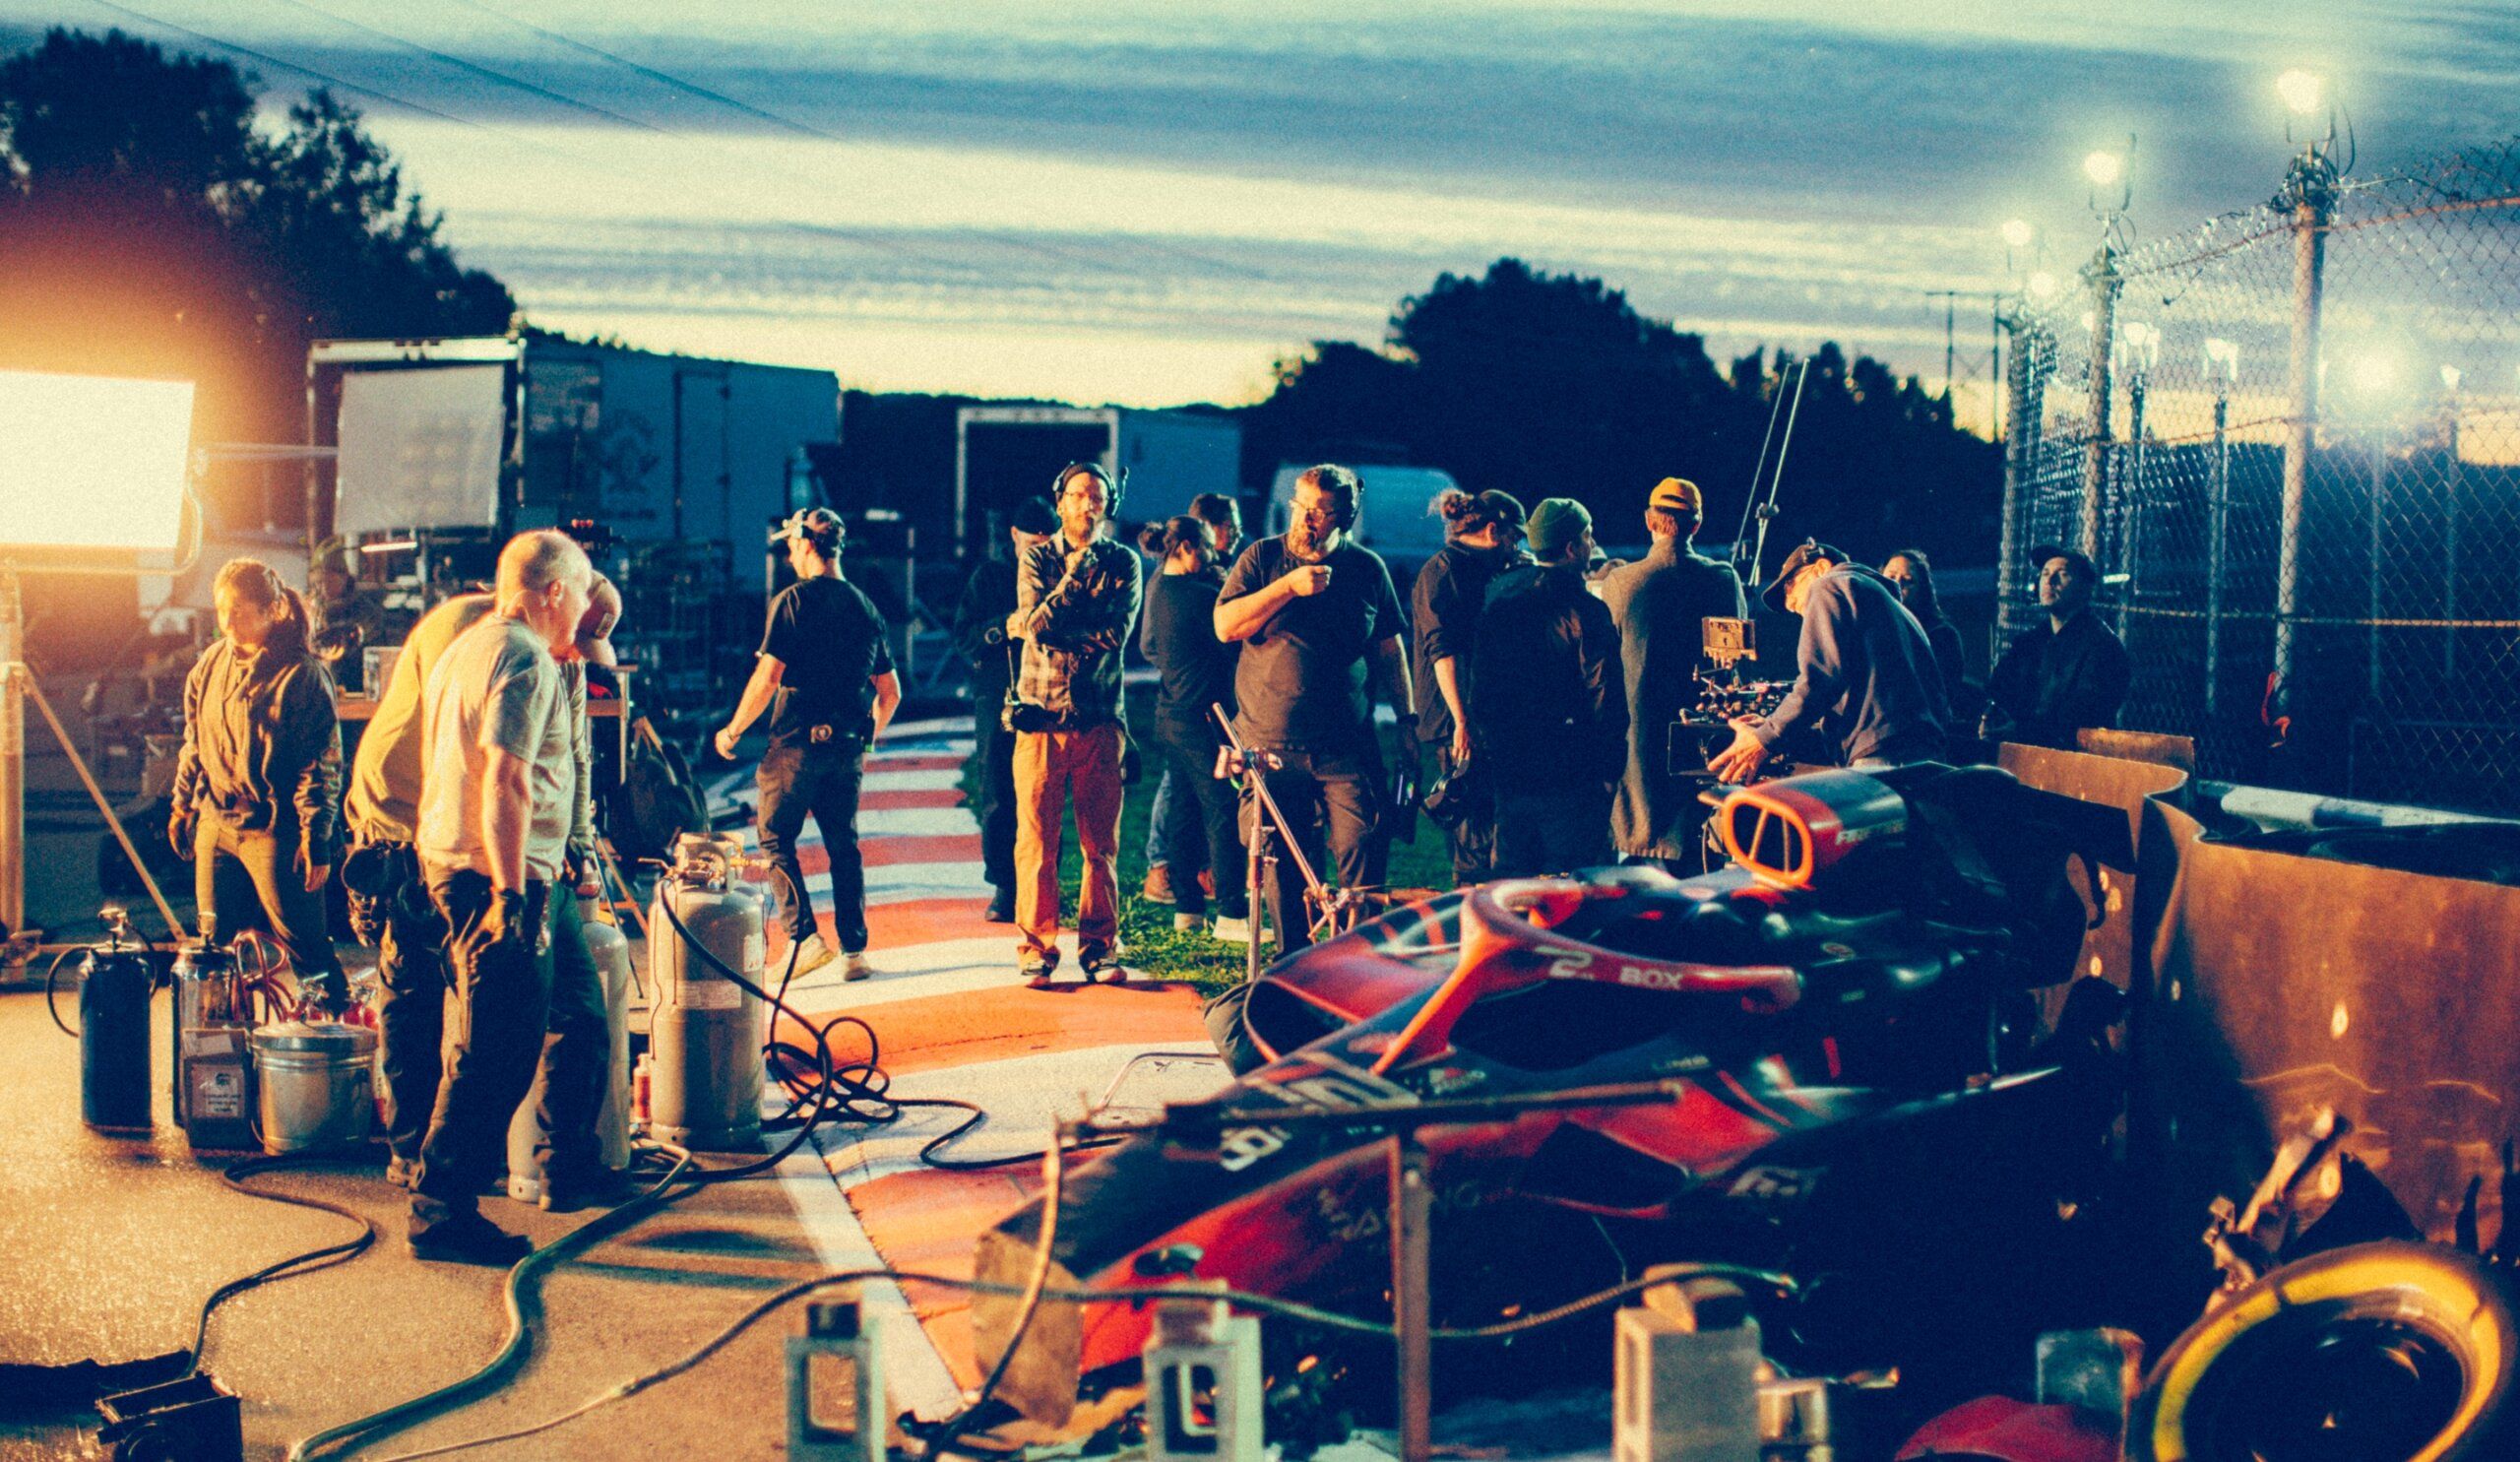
2222, 372
2141, 347
2109, 195
2309, 194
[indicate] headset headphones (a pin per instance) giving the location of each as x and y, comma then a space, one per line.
1118, 486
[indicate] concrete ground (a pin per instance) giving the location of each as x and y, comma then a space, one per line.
111, 1245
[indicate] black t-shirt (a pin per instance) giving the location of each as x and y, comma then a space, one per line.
1301, 684
830, 636
1179, 636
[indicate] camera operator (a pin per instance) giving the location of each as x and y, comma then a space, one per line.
1483, 537
1867, 680
2065, 674
825, 675
1548, 711
1076, 599
1313, 611
497, 798
980, 633
1660, 605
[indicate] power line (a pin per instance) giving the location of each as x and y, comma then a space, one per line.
472, 69
268, 59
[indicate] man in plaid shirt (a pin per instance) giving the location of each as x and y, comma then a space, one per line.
1076, 605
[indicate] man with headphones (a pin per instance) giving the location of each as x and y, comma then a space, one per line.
1318, 620
825, 674
1076, 604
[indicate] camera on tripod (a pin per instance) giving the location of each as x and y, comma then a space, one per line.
1704, 728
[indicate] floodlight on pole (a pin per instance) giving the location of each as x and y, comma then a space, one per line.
2450, 377
2111, 191
2221, 358
2043, 285
2018, 234
94, 475
2106, 169
2305, 92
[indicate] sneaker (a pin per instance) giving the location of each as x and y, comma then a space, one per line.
470, 1238
1232, 931
400, 1171
1158, 884
853, 966
811, 955
1037, 970
1102, 964
1001, 907
1188, 923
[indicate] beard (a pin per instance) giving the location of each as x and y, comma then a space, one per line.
1307, 541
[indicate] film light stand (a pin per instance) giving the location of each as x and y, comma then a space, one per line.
1250, 766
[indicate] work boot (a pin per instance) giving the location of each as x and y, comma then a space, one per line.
1158, 884
811, 955
470, 1238
1001, 907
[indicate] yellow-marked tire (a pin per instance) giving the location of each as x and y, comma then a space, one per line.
2379, 1353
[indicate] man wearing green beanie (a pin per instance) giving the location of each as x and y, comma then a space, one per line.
1548, 707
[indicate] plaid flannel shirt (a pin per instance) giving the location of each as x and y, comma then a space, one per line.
1075, 609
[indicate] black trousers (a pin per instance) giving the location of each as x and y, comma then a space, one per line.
1552, 832
993, 749
410, 1010
1471, 842
1210, 840
501, 993
576, 1053
821, 782
1331, 793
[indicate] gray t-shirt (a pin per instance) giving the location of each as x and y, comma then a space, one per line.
496, 688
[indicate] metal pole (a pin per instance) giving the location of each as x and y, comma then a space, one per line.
1995, 378
1950, 356
2218, 507
2450, 550
2021, 441
2105, 285
13, 758
1413, 1210
961, 484
2380, 489
2312, 187
2131, 560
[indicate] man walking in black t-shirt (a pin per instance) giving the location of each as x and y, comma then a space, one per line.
826, 677
1314, 613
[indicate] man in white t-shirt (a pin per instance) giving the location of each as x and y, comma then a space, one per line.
495, 813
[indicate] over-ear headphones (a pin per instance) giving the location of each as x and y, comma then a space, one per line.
1117, 487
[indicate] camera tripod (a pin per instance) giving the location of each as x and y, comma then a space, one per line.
1250, 767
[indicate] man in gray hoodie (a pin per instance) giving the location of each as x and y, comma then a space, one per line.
1867, 684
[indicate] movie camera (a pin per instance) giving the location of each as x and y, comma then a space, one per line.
1706, 724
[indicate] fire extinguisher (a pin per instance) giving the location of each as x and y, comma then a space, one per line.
116, 981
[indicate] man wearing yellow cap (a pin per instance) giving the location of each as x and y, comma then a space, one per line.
1658, 604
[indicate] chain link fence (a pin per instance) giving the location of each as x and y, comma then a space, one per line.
2290, 439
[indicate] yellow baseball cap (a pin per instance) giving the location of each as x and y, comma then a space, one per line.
1676, 495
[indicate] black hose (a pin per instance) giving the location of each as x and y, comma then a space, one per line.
308, 1262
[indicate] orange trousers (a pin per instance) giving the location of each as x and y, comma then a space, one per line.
1051, 768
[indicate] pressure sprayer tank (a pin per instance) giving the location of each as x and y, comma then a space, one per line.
213, 1063
704, 1030
115, 985
612, 951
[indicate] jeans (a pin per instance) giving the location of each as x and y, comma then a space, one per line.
1210, 840
822, 781
993, 747
1051, 768
1336, 790
577, 1054
410, 1014
1552, 832
250, 882
1163, 822
501, 993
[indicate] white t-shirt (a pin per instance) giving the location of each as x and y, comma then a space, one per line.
496, 688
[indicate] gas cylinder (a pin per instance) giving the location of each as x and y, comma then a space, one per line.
612, 951
214, 1065
705, 1032
115, 981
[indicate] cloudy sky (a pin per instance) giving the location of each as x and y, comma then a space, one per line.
1148, 201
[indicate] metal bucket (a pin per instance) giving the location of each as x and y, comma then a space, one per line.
318, 1085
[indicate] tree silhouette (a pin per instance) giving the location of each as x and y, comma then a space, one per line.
149, 227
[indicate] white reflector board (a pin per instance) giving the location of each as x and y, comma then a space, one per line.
93, 463
420, 448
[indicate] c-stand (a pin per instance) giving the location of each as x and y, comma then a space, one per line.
1250, 766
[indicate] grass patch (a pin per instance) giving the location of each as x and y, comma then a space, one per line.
1146, 928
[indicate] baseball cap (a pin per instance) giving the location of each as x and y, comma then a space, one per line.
2081, 562
1504, 507
1678, 495
820, 526
1035, 516
1555, 523
595, 626
1805, 552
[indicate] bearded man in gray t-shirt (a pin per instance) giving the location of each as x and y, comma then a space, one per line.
496, 799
